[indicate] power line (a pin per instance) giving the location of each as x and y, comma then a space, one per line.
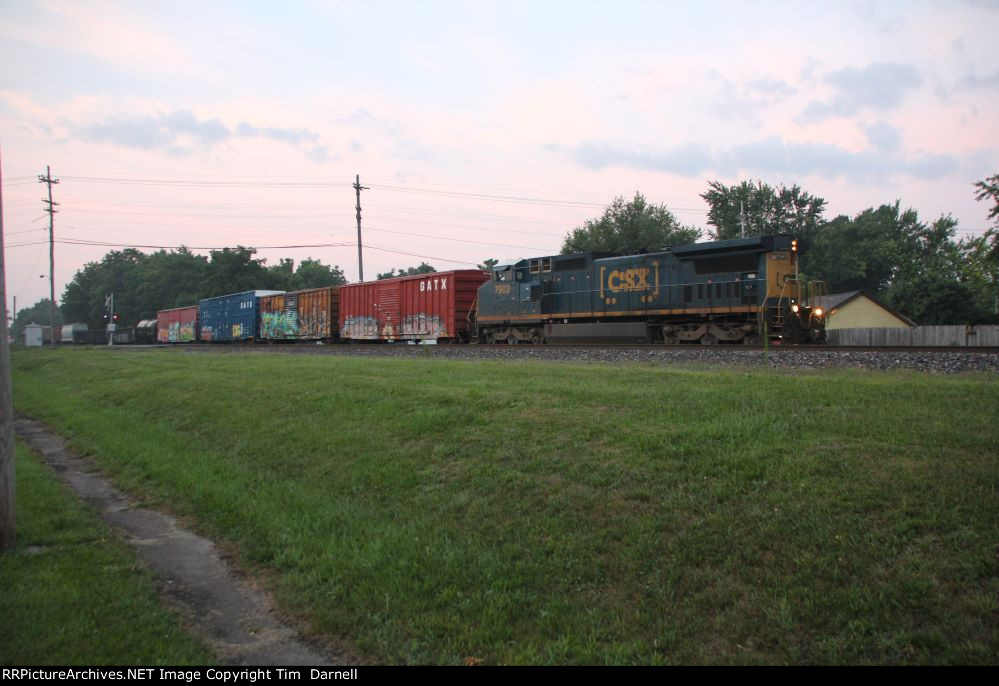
70, 241
206, 184
413, 254
456, 240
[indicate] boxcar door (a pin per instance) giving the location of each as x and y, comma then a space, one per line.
387, 310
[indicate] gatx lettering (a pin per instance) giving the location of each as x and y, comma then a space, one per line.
433, 285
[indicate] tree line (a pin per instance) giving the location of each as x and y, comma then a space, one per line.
923, 269
145, 283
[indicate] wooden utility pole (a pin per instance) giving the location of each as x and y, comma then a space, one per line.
52, 212
6, 409
360, 259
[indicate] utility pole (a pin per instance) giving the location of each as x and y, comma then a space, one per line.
6, 410
360, 258
109, 316
47, 179
742, 219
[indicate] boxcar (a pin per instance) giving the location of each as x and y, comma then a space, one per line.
425, 307
179, 325
232, 317
309, 315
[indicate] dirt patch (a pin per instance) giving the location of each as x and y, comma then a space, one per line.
237, 621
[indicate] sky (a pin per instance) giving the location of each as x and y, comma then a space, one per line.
480, 129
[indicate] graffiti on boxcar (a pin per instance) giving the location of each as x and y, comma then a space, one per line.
207, 333
179, 333
422, 325
316, 326
359, 327
278, 325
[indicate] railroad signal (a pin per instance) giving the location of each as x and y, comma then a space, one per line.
794, 245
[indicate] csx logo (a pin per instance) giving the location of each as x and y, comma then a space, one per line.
628, 280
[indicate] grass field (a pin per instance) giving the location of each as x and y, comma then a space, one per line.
72, 594
430, 511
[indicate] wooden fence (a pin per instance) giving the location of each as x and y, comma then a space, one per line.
918, 336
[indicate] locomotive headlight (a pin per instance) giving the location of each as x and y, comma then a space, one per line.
794, 308
818, 311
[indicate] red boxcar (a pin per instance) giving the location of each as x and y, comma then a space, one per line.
411, 308
179, 325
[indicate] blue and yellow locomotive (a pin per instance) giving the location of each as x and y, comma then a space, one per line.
735, 291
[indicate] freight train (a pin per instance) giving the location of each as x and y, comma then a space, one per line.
735, 291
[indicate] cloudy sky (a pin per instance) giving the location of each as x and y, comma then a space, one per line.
482, 129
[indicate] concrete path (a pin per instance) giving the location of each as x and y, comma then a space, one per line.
237, 622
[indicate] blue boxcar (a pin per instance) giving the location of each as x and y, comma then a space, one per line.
233, 317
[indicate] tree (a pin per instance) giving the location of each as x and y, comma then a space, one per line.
424, 268
314, 274
487, 264
989, 190
628, 228
916, 267
119, 272
170, 279
866, 252
763, 209
232, 270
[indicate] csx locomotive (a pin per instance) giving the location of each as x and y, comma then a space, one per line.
734, 291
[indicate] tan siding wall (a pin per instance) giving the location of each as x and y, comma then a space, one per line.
863, 313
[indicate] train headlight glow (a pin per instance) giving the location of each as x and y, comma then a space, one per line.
818, 311
794, 308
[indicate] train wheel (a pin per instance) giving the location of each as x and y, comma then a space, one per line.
672, 340
708, 339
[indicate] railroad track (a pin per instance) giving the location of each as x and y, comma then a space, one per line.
773, 349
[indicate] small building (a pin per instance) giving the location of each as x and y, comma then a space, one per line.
33, 335
860, 310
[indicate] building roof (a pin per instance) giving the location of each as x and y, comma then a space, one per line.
836, 301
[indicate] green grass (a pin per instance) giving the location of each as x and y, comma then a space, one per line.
429, 511
74, 595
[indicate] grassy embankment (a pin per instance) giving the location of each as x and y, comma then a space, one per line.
71, 594
430, 511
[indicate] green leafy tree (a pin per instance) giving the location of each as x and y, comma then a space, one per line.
314, 274
989, 190
170, 279
763, 209
280, 276
628, 228
866, 252
487, 264
119, 272
423, 268
233, 270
